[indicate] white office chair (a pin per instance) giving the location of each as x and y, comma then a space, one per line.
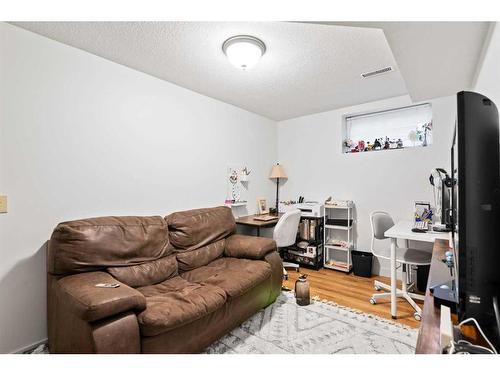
285, 234
381, 222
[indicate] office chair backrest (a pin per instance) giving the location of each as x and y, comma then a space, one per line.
381, 221
285, 232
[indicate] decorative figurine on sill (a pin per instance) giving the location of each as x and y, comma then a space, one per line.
392, 144
355, 149
386, 143
377, 145
348, 145
361, 146
400, 143
369, 146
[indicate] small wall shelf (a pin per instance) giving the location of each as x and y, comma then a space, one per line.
338, 239
236, 204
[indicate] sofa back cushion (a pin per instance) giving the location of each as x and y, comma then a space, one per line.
148, 273
193, 229
98, 243
189, 260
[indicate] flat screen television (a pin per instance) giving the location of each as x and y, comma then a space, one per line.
475, 167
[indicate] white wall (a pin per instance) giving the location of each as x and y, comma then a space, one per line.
488, 77
81, 136
310, 149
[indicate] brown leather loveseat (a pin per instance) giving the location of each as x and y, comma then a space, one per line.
185, 281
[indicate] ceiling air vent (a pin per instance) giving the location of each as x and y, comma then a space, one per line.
377, 72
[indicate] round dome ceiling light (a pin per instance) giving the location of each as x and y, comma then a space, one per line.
244, 51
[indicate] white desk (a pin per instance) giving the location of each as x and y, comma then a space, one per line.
402, 230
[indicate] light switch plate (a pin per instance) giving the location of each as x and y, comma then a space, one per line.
3, 204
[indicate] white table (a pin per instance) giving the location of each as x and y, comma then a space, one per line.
402, 230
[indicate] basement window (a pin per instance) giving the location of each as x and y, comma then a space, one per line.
391, 129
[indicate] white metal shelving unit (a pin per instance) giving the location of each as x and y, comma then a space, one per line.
339, 233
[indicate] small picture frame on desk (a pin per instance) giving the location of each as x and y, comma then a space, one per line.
262, 206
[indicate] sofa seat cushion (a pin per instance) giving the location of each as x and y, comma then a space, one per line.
176, 302
233, 275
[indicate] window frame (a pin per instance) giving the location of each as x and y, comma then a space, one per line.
346, 127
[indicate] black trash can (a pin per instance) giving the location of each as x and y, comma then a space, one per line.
422, 276
362, 263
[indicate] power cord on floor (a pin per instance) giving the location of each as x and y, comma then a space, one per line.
465, 347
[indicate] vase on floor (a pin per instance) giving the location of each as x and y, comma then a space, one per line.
302, 293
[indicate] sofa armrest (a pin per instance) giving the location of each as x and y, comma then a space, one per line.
91, 303
249, 247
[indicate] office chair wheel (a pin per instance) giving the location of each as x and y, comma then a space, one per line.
417, 317
373, 301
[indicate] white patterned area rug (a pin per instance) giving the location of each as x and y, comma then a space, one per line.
322, 327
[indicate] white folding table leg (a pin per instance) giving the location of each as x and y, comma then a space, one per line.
394, 310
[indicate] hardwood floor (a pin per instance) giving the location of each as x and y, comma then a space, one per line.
352, 291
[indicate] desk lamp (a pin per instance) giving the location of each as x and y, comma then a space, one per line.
276, 173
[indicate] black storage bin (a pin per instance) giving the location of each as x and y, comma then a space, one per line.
362, 263
422, 276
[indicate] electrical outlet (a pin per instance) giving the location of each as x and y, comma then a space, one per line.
3, 204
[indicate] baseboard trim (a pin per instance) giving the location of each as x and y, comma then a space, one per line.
29, 347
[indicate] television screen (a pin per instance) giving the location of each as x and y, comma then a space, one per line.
476, 209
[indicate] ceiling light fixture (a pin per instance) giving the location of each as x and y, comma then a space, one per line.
244, 51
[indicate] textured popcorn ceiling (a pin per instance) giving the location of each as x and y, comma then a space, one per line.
307, 68
435, 58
